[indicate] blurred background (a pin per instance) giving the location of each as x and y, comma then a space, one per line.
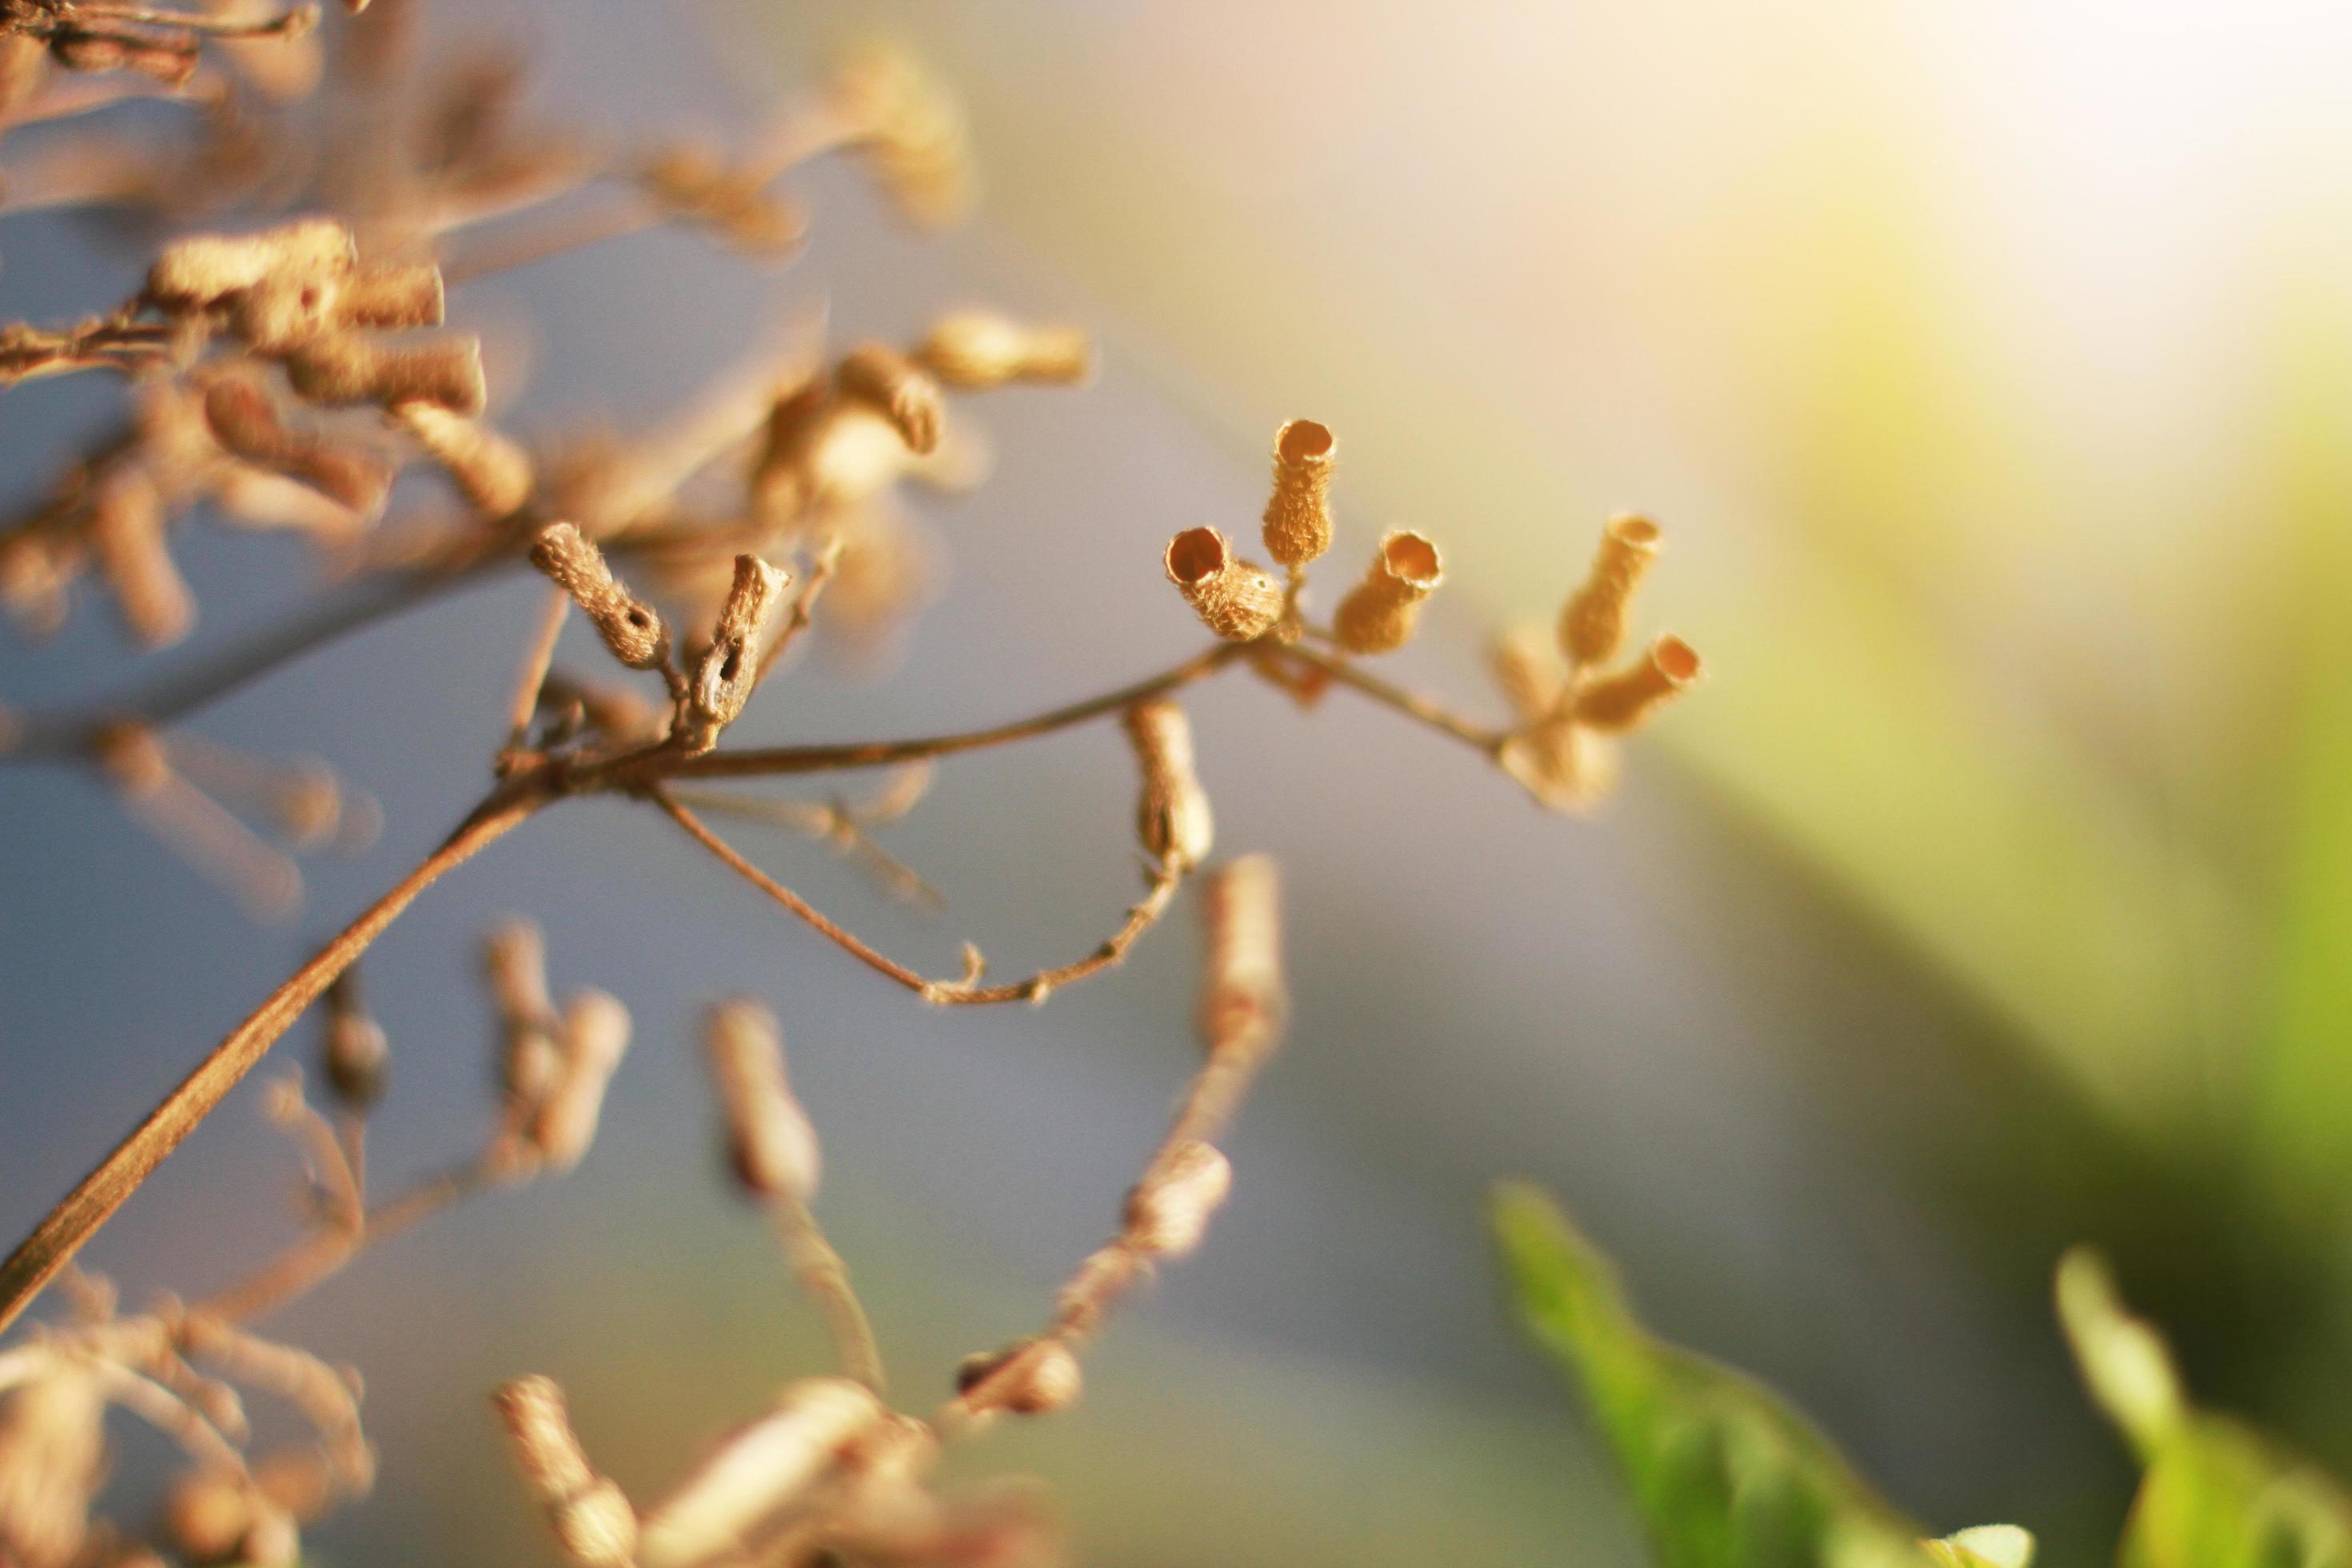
1990, 368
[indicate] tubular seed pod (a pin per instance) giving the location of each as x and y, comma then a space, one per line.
595, 1033
1234, 599
393, 297
1615, 703
244, 420
492, 473
1030, 1377
723, 679
769, 1140
341, 367
126, 525
202, 269
1298, 517
1167, 1212
170, 60
979, 349
629, 625
1379, 613
1243, 1000
881, 377
912, 132
1172, 816
1593, 623
592, 1518
757, 1473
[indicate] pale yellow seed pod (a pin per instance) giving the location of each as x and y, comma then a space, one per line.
1242, 999
204, 269
52, 1459
631, 627
1527, 667
245, 420
1593, 623
127, 522
770, 1142
1172, 815
1031, 1377
1234, 599
881, 377
593, 1039
1615, 703
979, 349
592, 1518
170, 60
338, 368
1167, 1212
1298, 516
912, 132
757, 1473
394, 296
492, 473
286, 310
723, 679
514, 962
1379, 613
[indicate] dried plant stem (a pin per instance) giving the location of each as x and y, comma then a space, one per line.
60, 1236
760, 762
965, 991
309, 1262
834, 821
536, 660
821, 570
542, 239
1412, 705
821, 1273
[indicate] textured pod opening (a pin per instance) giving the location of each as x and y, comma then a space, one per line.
1635, 532
1303, 440
1197, 556
1677, 660
1411, 559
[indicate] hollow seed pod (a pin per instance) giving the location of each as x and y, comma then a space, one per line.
1593, 623
723, 679
592, 1518
1234, 599
492, 473
1622, 701
341, 368
1298, 516
630, 628
1379, 613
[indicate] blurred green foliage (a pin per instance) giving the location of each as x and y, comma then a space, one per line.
1725, 1474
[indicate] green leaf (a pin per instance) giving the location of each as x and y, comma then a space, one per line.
1723, 1472
2213, 1493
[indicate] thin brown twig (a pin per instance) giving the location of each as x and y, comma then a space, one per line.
531, 678
1412, 704
821, 1273
967, 991
834, 821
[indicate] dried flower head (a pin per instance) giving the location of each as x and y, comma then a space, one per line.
1379, 614
1234, 599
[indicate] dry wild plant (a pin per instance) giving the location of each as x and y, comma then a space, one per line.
283, 369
